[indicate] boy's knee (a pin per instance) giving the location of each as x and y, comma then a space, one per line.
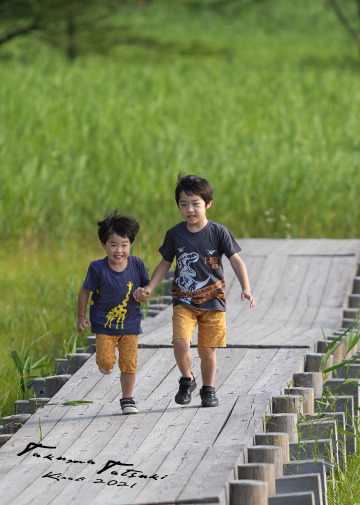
206, 352
105, 363
181, 343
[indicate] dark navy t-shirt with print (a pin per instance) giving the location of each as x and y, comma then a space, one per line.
199, 276
113, 309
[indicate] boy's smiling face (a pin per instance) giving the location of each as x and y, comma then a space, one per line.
118, 250
193, 209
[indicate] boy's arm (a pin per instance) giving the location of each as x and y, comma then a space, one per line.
144, 294
241, 273
83, 321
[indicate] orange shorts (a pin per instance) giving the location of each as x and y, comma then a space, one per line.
211, 325
127, 346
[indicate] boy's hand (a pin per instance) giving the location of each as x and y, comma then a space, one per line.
248, 296
142, 294
82, 323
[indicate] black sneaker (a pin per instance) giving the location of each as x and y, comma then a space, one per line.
186, 387
128, 406
208, 397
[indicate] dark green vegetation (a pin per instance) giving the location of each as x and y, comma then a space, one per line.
260, 97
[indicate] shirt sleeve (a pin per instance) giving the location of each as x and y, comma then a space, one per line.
229, 245
167, 250
92, 279
144, 276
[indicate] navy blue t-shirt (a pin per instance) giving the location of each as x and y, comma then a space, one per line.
199, 276
113, 309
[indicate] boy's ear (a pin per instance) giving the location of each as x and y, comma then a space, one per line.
103, 245
208, 205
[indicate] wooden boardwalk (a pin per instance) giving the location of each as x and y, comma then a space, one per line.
168, 454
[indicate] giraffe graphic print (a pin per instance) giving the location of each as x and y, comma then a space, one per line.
119, 312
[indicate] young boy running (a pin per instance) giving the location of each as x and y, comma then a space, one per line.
198, 288
115, 315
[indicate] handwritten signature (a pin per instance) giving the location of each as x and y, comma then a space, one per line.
110, 464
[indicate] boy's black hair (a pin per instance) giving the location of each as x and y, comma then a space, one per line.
193, 185
125, 226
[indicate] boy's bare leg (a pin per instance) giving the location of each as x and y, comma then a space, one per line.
208, 364
127, 381
183, 356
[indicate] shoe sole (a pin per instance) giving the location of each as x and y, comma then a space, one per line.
130, 410
186, 402
206, 405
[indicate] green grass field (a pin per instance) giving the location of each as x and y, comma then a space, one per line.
264, 103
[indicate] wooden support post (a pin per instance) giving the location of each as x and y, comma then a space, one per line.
333, 405
339, 418
309, 466
55, 383
258, 471
4, 438
61, 366
307, 395
249, 492
290, 404
21, 407
303, 498
313, 449
314, 363
345, 387
279, 439
267, 454
299, 483
35, 403
320, 429
337, 353
309, 380
76, 361
39, 387
283, 423
351, 371
13, 423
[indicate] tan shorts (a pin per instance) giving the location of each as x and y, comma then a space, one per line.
211, 325
127, 346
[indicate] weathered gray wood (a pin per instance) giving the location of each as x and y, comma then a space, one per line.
4, 438
283, 423
76, 361
267, 454
290, 404
39, 387
35, 403
300, 483
306, 467
307, 395
309, 380
280, 439
249, 492
12, 424
345, 387
22, 407
300, 498
258, 471
314, 362
345, 404
314, 449
61, 366
55, 383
